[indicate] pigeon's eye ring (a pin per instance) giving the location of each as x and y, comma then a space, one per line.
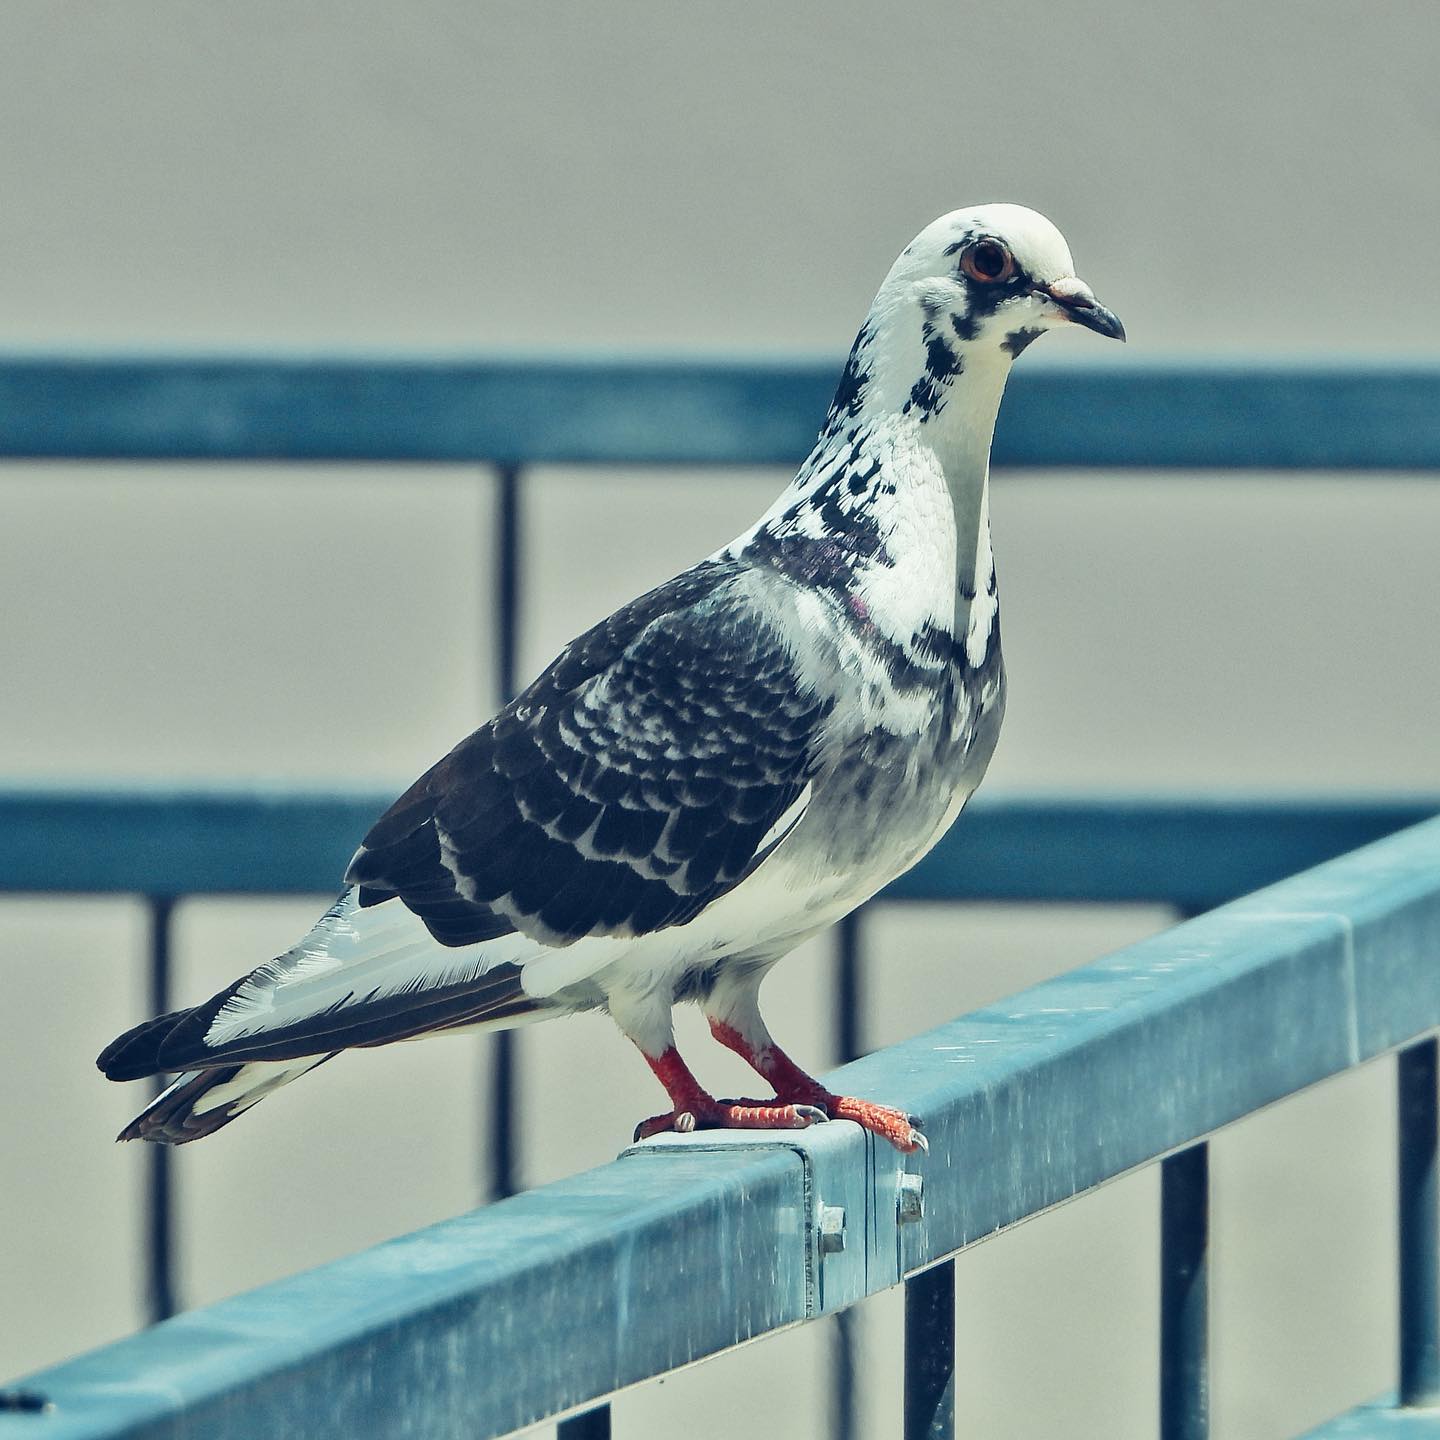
987, 261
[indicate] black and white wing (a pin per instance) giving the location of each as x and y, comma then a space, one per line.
657, 762
653, 766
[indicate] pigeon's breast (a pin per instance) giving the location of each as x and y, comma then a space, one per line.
885, 796
892, 792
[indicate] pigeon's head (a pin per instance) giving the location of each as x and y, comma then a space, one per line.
996, 277
966, 296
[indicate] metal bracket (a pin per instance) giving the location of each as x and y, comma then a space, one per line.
855, 1195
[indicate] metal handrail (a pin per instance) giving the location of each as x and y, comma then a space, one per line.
509, 413
1136, 414
1186, 850
1026, 1102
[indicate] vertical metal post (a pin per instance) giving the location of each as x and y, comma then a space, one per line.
503, 1176
1419, 1274
849, 983
930, 1354
507, 581
841, 1377
160, 1196
592, 1425
848, 1046
1184, 1237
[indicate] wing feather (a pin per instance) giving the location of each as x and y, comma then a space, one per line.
643, 775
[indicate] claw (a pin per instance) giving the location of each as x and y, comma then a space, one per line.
684, 1123
810, 1114
655, 1125
919, 1141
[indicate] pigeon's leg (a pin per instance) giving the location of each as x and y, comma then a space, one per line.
692, 1106
733, 1010
696, 1109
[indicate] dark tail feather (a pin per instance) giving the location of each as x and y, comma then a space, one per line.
170, 1118
133, 1055
180, 1113
176, 1042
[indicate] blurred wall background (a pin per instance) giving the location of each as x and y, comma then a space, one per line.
1232, 178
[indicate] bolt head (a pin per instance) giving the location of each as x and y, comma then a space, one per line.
910, 1199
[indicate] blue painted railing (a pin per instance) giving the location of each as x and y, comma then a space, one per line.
1045, 1095
1189, 851
274, 1361
1133, 413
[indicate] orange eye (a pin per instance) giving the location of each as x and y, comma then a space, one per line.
987, 261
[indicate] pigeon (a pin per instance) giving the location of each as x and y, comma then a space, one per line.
710, 776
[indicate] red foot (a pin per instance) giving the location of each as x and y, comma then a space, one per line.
703, 1113
794, 1086
799, 1102
901, 1130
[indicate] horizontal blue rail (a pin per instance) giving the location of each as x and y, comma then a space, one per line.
1188, 851
613, 410
1041, 1096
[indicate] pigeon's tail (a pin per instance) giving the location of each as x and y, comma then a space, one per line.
199, 1102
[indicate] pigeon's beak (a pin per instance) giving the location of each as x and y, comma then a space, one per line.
1077, 300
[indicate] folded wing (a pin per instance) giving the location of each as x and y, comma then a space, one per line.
656, 762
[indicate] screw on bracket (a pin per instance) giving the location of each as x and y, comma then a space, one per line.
832, 1229
910, 1199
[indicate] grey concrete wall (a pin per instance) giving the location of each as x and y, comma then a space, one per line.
1231, 178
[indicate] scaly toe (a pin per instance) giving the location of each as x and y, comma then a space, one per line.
900, 1130
656, 1125
765, 1115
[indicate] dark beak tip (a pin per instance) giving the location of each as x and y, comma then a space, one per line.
1084, 309
1101, 321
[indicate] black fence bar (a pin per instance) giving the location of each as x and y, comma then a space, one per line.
840, 1375
502, 1148
503, 1105
592, 1425
1184, 1300
507, 581
160, 1200
1419, 1274
849, 982
848, 1043
930, 1354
